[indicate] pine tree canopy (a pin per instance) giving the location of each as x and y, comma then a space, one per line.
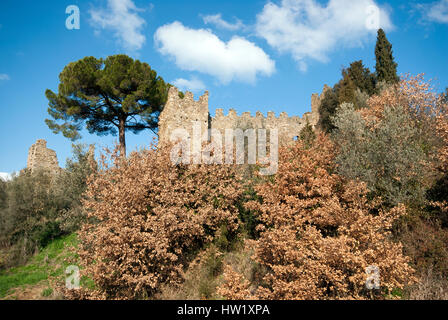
111, 95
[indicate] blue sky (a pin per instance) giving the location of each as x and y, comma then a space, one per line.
250, 55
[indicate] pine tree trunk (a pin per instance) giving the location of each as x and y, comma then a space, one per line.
122, 138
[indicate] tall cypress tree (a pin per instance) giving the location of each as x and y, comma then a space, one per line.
386, 67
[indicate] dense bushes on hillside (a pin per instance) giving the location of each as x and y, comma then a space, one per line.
151, 218
337, 205
316, 216
442, 128
373, 193
390, 155
320, 232
396, 145
39, 207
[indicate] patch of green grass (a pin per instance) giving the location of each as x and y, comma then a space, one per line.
50, 262
47, 292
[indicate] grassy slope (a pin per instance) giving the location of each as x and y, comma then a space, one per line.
49, 264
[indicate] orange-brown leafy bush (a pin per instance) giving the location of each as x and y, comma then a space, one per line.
413, 93
150, 218
442, 128
235, 286
319, 233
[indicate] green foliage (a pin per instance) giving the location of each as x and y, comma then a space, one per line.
386, 67
248, 218
445, 96
358, 83
47, 292
211, 269
360, 99
362, 78
346, 89
307, 135
2, 194
439, 193
111, 95
327, 110
390, 157
31, 213
356, 86
72, 184
42, 206
424, 239
50, 262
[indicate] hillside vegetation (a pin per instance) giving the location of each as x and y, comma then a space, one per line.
358, 209
36, 279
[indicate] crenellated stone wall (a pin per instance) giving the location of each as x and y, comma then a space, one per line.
40, 157
180, 112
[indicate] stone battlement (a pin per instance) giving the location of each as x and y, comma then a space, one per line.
232, 114
180, 112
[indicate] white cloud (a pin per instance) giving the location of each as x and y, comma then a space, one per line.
438, 11
4, 76
5, 176
121, 16
307, 30
217, 20
194, 85
201, 50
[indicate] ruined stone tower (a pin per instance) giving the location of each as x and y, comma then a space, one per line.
40, 157
180, 112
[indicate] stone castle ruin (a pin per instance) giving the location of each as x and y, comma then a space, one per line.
42, 158
180, 112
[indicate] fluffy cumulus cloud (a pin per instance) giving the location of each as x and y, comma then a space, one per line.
201, 50
307, 29
4, 77
438, 11
217, 21
194, 85
121, 17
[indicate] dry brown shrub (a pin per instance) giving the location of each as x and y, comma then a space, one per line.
150, 218
430, 287
319, 233
442, 129
413, 92
235, 286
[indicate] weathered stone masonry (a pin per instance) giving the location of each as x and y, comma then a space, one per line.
180, 112
40, 157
